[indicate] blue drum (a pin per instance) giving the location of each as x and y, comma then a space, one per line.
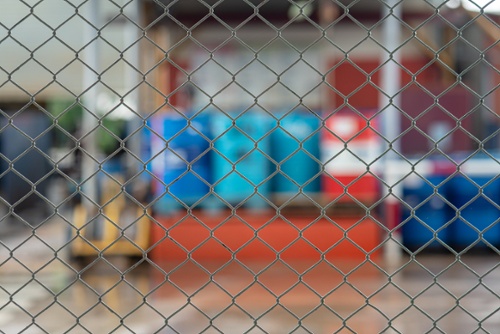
477, 199
431, 213
180, 152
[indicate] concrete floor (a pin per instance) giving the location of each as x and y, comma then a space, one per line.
41, 291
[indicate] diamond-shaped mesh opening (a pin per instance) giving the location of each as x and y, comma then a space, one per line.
9, 64
41, 30
234, 233
232, 315
43, 11
247, 302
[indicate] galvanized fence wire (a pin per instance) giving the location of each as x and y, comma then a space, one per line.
168, 51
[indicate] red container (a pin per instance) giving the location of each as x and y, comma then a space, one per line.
349, 146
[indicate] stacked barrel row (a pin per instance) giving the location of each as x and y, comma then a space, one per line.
455, 204
215, 160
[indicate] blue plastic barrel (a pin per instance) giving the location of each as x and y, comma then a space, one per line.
239, 163
180, 160
431, 212
479, 215
295, 145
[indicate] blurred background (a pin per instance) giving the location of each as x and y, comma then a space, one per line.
220, 131
121, 86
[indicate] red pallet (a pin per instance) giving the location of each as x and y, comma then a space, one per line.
262, 236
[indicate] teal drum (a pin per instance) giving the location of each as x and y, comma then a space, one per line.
296, 150
240, 158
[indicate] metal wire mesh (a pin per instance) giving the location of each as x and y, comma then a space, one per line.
249, 166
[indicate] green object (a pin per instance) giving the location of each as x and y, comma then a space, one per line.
110, 134
68, 115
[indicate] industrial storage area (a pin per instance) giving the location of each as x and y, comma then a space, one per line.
280, 165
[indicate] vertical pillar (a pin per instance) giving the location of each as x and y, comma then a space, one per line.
132, 99
389, 102
89, 121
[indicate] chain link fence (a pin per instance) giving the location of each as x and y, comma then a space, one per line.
253, 166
